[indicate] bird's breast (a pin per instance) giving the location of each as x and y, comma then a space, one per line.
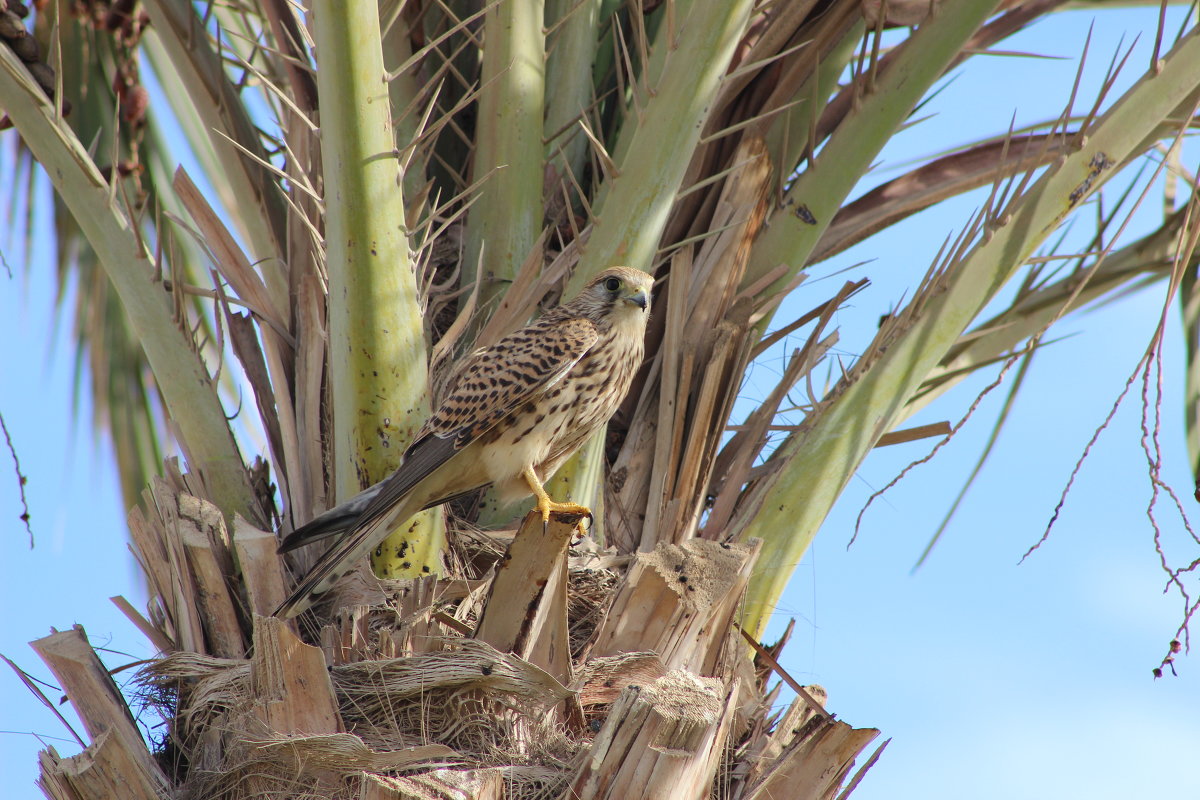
553, 424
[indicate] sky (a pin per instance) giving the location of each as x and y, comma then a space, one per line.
993, 679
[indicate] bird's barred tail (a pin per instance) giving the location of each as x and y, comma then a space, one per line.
335, 520
343, 558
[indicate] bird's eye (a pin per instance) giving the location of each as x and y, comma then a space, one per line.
612, 284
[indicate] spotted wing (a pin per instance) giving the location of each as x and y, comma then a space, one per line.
489, 386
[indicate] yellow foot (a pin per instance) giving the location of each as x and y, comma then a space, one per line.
545, 505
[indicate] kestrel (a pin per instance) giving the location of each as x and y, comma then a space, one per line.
513, 413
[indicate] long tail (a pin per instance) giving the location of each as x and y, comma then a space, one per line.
340, 560
337, 519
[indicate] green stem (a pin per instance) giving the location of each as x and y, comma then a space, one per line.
377, 371
846, 157
689, 59
571, 51
504, 225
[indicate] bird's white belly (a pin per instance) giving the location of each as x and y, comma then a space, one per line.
528, 441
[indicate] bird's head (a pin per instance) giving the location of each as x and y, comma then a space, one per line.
620, 294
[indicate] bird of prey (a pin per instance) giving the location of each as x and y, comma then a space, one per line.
513, 413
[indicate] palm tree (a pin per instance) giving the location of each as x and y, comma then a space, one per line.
371, 192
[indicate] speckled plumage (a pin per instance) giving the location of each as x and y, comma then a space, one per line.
526, 403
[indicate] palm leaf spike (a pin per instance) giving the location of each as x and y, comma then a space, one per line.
409, 121
187, 54
1038, 307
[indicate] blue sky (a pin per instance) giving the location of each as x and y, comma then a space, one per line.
993, 679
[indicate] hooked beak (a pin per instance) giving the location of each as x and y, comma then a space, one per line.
640, 298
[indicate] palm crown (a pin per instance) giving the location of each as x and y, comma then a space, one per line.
394, 185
